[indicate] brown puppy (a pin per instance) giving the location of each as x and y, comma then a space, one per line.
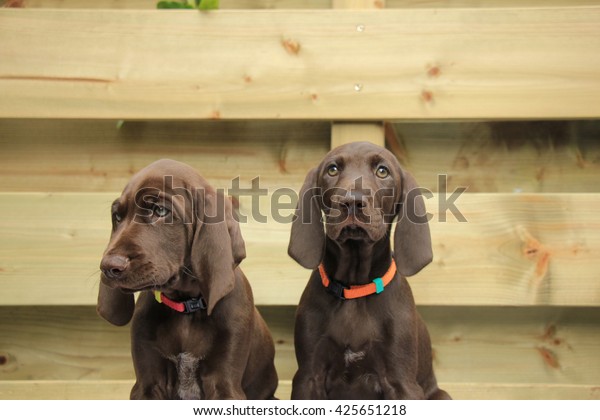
353, 342
174, 234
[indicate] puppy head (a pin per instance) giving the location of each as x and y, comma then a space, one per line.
360, 188
170, 230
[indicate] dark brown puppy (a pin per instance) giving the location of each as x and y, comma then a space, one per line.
175, 234
374, 346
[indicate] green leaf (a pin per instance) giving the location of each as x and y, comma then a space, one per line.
209, 4
173, 5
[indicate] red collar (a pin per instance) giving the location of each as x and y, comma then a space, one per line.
353, 292
185, 307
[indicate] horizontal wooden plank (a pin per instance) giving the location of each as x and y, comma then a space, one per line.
514, 249
96, 156
306, 4
482, 3
332, 65
55, 343
479, 391
507, 156
65, 390
551, 346
85, 390
150, 4
118, 390
514, 345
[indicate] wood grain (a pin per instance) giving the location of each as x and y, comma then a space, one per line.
56, 343
118, 390
150, 4
499, 345
507, 156
348, 132
96, 156
412, 63
484, 3
358, 4
514, 249
306, 4
66, 389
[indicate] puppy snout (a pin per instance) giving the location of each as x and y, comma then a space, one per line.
353, 203
114, 266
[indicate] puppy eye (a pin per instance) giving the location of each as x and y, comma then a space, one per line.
116, 217
160, 211
333, 170
382, 171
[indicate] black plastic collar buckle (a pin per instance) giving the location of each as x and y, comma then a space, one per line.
194, 305
336, 289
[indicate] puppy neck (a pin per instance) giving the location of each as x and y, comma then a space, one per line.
357, 262
184, 287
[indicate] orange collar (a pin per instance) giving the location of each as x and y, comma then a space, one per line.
353, 292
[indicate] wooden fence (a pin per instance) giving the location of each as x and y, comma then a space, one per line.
496, 96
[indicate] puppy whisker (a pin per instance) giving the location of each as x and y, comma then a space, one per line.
189, 273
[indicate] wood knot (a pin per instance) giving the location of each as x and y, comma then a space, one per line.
3, 360
549, 332
533, 249
549, 357
291, 46
427, 96
549, 336
530, 252
434, 70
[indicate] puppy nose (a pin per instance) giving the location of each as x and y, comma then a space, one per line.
114, 266
354, 202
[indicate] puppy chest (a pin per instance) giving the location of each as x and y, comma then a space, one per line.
354, 329
188, 386
353, 365
354, 373
192, 339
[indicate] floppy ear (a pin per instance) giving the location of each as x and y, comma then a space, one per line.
238, 247
114, 306
212, 253
307, 238
412, 240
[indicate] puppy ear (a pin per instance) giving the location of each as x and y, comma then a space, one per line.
212, 252
114, 306
412, 240
238, 247
307, 238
